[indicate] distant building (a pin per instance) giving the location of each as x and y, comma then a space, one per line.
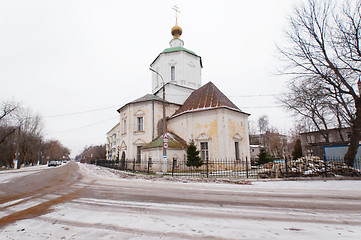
313, 143
112, 146
275, 143
254, 152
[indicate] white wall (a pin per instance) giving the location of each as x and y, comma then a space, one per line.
221, 128
131, 138
187, 70
175, 94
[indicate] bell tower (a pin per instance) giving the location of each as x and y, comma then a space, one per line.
179, 67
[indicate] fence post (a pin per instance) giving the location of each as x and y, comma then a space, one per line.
148, 166
247, 166
207, 168
173, 165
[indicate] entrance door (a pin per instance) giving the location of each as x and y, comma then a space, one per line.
122, 161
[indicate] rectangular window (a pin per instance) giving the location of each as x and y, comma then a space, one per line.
204, 150
124, 126
139, 153
172, 73
140, 124
236, 146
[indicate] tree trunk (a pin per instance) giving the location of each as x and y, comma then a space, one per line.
355, 136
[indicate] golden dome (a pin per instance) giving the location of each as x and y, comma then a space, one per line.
176, 31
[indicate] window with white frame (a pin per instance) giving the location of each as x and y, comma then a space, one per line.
139, 154
140, 126
204, 150
236, 146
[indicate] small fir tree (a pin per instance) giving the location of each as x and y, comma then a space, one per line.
193, 159
297, 150
264, 157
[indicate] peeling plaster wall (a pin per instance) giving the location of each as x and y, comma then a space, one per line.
221, 128
156, 154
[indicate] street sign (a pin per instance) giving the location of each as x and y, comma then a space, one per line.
165, 145
165, 140
165, 136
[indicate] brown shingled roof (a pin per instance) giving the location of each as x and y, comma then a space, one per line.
205, 98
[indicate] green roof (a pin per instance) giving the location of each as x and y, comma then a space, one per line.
174, 141
177, 49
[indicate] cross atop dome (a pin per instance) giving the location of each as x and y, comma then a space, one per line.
176, 30
175, 8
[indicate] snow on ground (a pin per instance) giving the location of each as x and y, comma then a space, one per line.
103, 218
105, 224
9, 175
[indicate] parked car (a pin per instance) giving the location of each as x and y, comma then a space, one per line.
52, 163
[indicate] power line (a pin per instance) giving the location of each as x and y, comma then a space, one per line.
279, 106
105, 108
77, 113
259, 95
241, 96
108, 119
89, 125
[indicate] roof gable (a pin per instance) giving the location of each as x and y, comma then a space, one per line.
205, 98
174, 141
145, 98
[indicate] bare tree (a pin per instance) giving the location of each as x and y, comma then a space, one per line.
275, 143
30, 136
92, 153
54, 150
324, 57
263, 124
7, 111
21, 137
263, 128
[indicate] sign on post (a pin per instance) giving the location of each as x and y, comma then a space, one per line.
165, 136
165, 140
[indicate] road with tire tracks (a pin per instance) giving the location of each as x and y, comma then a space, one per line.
77, 201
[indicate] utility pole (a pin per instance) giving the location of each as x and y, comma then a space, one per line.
16, 161
165, 141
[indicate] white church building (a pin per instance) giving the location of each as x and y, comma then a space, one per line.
193, 111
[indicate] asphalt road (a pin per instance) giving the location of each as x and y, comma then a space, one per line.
39, 185
72, 202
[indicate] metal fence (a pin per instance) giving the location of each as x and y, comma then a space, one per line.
304, 167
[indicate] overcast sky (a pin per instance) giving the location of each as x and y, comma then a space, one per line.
76, 62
